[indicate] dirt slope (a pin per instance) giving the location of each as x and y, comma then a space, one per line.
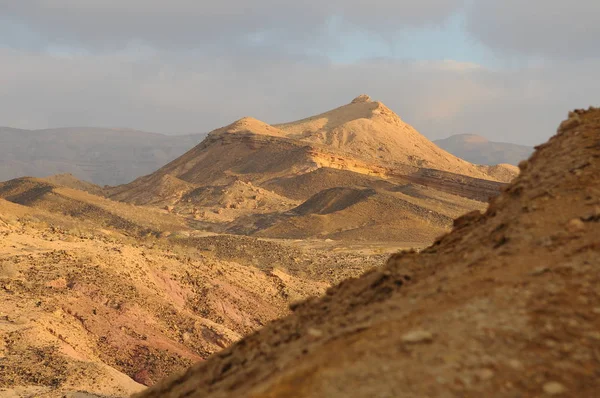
505, 305
402, 213
95, 314
226, 203
163, 189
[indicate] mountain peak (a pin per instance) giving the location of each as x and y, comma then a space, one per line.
246, 120
361, 98
245, 123
470, 138
248, 125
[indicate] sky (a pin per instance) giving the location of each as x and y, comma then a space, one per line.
506, 69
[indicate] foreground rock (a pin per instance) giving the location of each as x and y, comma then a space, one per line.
505, 305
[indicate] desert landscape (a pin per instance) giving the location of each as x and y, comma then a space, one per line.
294, 200
107, 290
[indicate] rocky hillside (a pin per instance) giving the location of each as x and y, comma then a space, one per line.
505, 305
106, 298
477, 149
101, 156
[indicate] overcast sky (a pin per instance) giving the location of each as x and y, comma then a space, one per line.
506, 69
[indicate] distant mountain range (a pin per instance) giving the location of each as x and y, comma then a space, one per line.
477, 149
99, 155
117, 156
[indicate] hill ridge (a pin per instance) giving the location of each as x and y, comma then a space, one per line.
480, 150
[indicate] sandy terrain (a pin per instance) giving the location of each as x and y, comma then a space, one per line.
96, 306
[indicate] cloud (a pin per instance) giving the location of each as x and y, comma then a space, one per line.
190, 66
198, 93
538, 28
187, 24
551, 29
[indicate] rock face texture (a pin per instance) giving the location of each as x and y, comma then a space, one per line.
506, 305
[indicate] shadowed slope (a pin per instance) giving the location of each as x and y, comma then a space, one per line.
505, 305
402, 213
305, 185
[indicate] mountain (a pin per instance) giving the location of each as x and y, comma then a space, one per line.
101, 156
505, 305
478, 149
361, 150
369, 130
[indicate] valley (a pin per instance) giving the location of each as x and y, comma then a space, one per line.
271, 199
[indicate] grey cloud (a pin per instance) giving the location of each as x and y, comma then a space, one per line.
198, 94
538, 28
191, 24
